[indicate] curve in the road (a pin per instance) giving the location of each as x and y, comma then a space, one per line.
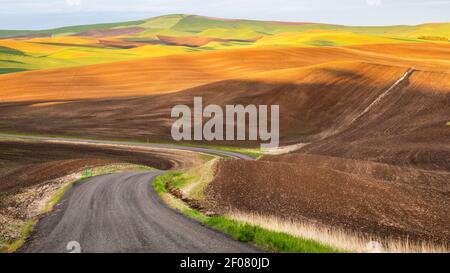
205, 150
123, 213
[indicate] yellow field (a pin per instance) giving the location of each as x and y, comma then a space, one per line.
173, 73
181, 34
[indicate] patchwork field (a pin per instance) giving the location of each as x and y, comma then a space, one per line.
370, 104
180, 34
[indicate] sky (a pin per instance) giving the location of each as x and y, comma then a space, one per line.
44, 14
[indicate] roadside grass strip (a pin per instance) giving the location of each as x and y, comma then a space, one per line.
247, 233
25, 232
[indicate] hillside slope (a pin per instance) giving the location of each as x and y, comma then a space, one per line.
384, 173
372, 168
175, 73
74, 46
315, 101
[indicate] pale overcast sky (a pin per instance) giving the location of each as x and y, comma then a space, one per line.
42, 14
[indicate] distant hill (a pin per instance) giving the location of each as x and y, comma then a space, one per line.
22, 50
186, 25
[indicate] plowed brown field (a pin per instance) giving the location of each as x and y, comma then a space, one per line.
176, 73
380, 168
361, 196
24, 164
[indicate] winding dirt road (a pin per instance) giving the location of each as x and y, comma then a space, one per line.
133, 144
122, 213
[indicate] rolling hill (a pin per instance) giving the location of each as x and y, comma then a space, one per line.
375, 155
23, 50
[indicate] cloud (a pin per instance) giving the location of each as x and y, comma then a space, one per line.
73, 3
374, 3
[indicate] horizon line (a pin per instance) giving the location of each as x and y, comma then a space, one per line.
225, 18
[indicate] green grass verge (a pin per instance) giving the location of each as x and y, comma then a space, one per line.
266, 239
56, 198
159, 184
25, 232
243, 232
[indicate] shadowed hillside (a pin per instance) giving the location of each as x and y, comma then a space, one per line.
384, 173
315, 102
369, 106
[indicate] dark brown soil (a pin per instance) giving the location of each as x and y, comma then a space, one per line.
385, 173
24, 164
361, 196
309, 107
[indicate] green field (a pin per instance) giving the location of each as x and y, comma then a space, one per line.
22, 50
